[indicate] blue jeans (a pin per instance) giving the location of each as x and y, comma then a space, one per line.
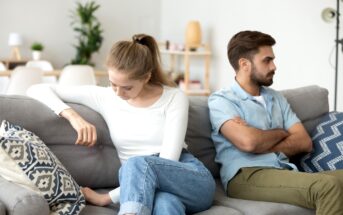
154, 185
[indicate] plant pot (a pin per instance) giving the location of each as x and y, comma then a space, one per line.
36, 55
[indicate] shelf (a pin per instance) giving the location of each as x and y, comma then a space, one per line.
11, 64
202, 92
203, 52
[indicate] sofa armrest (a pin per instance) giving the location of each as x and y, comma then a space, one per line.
17, 200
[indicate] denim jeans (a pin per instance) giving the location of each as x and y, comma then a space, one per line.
154, 185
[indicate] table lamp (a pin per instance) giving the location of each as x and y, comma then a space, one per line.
193, 35
15, 40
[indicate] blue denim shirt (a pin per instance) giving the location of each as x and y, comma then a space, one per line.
227, 104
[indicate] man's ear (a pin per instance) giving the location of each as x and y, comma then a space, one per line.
244, 64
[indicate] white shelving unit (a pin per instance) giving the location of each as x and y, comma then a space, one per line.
203, 52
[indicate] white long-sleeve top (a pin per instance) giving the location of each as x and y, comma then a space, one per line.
159, 128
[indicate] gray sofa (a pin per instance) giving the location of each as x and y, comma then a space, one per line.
97, 167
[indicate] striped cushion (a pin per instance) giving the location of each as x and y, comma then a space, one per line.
327, 138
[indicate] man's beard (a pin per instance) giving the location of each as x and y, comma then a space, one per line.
261, 81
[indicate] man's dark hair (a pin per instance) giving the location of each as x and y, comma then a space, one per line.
245, 44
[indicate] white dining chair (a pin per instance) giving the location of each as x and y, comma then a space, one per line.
22, 78
45, 66
42, 64
3, 80
73, 75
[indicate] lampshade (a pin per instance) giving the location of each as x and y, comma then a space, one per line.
193, 34
328, 14
15, 39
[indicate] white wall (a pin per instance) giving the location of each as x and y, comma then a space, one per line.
304, 41
48, 21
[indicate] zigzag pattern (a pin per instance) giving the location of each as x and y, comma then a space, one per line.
327, 138
43, 168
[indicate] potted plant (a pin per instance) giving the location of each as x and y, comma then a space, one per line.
89, 31
37, 49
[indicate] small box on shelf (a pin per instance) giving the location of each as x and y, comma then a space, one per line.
192, 85
186, 53
194, 88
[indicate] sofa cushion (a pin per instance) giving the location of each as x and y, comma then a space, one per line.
219, 210
93, 210
198, 136
327, 139
85, 164
27, 161
257, 207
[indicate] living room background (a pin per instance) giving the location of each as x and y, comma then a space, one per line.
304, 50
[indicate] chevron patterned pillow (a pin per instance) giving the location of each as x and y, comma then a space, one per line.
27, 161
327, 138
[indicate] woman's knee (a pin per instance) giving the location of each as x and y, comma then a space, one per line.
166, 203
135, 165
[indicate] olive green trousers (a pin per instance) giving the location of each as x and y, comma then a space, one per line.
321, 191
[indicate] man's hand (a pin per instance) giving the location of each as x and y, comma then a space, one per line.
86, 132
298, 141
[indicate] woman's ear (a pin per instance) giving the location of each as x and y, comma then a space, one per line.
147, 78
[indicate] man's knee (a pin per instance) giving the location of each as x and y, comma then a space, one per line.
329, 184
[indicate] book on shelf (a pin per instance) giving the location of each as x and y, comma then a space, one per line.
192, 85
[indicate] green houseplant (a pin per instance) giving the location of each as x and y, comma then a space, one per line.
36, 46
37, 49
89, 32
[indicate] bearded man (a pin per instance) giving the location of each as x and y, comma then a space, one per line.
255, 133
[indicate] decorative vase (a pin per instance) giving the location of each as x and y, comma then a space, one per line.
193, 35
36, 55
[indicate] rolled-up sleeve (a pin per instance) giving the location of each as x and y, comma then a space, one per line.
221, 110
290, 118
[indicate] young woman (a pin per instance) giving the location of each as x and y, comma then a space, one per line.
147, 118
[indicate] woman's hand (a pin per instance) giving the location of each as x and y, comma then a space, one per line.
86, 132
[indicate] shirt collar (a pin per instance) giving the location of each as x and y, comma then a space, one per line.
240, 92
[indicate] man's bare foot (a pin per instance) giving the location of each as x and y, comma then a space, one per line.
96, 198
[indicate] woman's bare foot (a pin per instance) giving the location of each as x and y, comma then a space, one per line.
96, 198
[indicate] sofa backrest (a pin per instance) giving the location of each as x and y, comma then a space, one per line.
198, 136
310, 103
96, 167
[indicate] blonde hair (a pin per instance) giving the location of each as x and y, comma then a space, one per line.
139, 58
